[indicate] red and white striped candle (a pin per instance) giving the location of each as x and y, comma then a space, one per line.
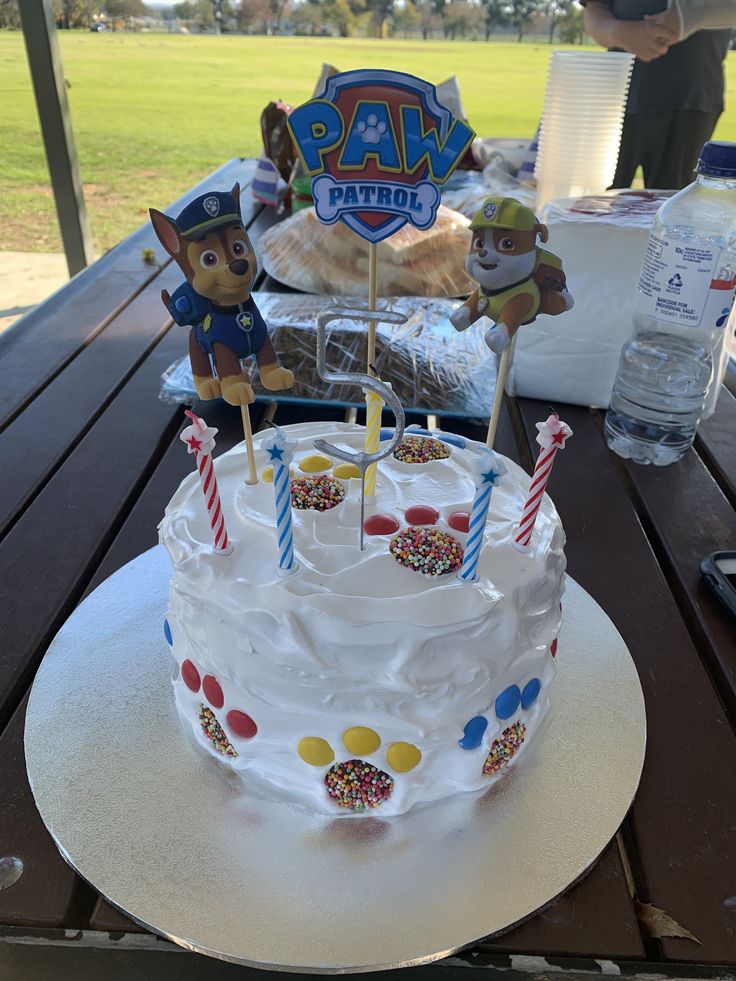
553, 434
200, 440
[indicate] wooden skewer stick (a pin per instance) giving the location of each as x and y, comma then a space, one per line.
373, 403
503, 370
248, 435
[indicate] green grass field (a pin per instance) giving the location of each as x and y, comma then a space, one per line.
154, 113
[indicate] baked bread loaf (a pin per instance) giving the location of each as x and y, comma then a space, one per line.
314, 258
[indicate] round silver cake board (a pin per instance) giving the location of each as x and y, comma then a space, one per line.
170, 838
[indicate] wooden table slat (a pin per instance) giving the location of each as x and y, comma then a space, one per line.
595, 918
106, 917
44, 894
37, 440
43, 342
687, 514
683, 819
716, 444
56, 545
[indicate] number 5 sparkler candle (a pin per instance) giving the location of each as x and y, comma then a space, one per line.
365, 459
280, 451
376, 144
553, 434
489, 469
200, 440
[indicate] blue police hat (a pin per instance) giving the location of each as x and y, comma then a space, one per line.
207, 212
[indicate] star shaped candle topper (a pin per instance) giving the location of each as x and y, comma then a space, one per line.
491, 477
488, 469
279, 447
553, 432
199, 437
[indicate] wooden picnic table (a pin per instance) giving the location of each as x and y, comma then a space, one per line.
90, 457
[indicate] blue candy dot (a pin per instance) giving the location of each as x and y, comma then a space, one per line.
453, 440
167, 633
387, 434
531, 690
508, 702
474, 732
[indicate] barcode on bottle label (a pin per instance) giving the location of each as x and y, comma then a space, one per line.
680, 284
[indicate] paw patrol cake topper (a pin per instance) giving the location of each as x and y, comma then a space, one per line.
517, 280
209, 243
376, 144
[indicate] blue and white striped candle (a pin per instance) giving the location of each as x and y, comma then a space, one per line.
280, 452
487, 470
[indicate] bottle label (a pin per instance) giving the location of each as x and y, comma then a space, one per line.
682, 284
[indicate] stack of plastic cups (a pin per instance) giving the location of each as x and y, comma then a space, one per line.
580, 134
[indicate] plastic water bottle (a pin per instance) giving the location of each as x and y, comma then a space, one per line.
672, 365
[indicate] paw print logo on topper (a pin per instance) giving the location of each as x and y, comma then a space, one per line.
357, 784
240, 725
371, 130
422, 546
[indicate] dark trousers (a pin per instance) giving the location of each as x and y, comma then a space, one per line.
666, 145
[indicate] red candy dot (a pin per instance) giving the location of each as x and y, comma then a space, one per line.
459, 520
241, 724
213, 692
380, 524
421, 514
553, 648
190, 676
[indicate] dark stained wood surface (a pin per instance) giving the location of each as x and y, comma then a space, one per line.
92, 457
716, 444
683, 819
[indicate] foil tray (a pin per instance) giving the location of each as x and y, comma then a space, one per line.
187, 849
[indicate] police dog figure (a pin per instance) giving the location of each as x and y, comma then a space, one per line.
516, 279
212, 249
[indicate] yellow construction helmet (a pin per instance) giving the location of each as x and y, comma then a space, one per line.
498, 212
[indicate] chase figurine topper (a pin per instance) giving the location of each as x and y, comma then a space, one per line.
516, 278
211, 247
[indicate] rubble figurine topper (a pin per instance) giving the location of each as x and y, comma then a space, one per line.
517, 280
211, 247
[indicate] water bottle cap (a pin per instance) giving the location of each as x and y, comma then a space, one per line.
717, 159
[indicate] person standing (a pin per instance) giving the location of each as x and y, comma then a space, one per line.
677, 87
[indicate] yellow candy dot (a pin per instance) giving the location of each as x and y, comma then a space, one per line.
267, 474
361, 740
315, 751
315, 463
403, 757
346, 470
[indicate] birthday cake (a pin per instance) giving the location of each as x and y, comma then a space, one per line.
367, 680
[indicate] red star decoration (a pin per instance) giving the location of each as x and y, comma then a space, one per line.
559, 438
194, 444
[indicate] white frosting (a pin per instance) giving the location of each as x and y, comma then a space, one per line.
353, 638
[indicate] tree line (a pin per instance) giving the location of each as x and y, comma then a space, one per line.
480, 19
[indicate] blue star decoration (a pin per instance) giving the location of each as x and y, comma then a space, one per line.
276, 453
491, 477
